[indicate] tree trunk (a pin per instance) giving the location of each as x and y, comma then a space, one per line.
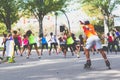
8, 25
106, 30
40, 25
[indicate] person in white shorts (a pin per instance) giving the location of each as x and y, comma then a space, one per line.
92, 40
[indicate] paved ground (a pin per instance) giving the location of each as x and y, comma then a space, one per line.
56, 67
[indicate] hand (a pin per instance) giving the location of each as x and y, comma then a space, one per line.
81, 22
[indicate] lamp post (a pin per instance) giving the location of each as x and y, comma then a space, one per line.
66, 18
56, 23
106, 30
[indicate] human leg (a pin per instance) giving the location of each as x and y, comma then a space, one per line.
99, 47
22, 51
42, 49
29, 50
19, 48
89, 44
3, 54
50, 48
105, 58
36, 48
55, 47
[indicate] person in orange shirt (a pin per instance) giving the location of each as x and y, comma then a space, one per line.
92, 40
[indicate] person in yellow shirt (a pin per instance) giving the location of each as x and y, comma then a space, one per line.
92, 40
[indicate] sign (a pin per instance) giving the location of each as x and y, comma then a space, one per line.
116, 21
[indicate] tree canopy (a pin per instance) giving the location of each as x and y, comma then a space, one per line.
9, 12
42, 7
101, 9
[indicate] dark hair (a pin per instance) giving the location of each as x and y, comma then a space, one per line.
28, 33
5, 35
80, 36
87, 22
51, 33
9, 34
24, 35
15, 32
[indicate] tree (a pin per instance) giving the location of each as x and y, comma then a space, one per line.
105, 7
42, 7
9, 12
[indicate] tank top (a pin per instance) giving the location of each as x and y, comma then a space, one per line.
31, 39
70, 40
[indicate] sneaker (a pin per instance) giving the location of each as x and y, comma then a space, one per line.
39, 57
49, 53
72, 54
21, 55
27, 57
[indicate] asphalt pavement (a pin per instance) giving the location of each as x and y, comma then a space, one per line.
56, 67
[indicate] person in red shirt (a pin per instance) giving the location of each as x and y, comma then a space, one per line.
110, 43
92, 40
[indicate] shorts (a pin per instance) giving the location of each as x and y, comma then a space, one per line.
93, 41
25, 46
35, 44
63, 47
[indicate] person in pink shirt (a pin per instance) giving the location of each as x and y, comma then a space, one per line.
25, 43
20, 39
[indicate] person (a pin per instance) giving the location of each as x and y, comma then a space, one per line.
117, 32
4, 43
92, 39
76, 45
16, 41
43, 42
25, 44
70, 42
115, 43
32, 42
110, 43
62, 43
117, 37
53, 43
10, 49
81, 39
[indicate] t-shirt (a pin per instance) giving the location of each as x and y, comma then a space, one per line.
53, 39
89, 30
117, 34
31, 39
44, 41
25, 41
20, 40
110, 39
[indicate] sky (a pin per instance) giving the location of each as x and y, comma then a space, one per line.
117, 11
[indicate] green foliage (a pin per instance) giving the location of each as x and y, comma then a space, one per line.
99, 26
9, 12
100, 9
2, 29
39, 8
43, 7
104, 6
